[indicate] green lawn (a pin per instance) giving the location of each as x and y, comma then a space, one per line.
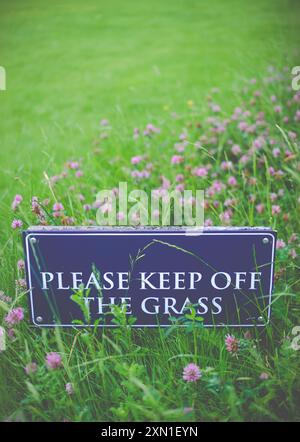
70, 64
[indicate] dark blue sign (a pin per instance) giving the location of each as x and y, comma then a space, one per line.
98, 277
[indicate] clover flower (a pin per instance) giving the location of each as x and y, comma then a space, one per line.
176, 159
232, 344
15, 316
16, 224
21, 264
191, 373
53, 360
30, 368
69, 388
16, 202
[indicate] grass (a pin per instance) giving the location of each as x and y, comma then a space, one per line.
71, 64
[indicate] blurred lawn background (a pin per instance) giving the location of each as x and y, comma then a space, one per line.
71, 63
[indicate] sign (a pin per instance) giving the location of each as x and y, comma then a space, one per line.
99, 276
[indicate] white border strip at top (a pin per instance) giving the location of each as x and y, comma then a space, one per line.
118, 233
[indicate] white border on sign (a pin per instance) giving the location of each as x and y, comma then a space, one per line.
149, 234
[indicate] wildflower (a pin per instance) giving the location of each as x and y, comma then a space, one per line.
78, 174
53, 360
140, 174
11, 334
252, 181
149, 166
264, 376
21, 264
273, 196
232, 344
69, 388
136, 159
30, 368
236, 149
16, 202
297, 115
218, 186
226, 216
58, 207
57, 214
191, 373
208, 222
293, 253
200, 171
276, 152
176, 159
180, 187
21, 283
258, 143
73, 165
288, 154
260, 208
280, 244
179, 178
36, 209
136, 133
247, 335
150, 129
120, 216
4, 298
68, 221
104, 122
16, 224
232, 181
276, 210
226, 165
54, 179
244, 159
230, 202
15, 316
243, 126
215, 108
293, 238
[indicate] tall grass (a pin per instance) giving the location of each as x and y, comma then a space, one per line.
136, 374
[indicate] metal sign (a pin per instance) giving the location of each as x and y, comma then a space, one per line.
99, 277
